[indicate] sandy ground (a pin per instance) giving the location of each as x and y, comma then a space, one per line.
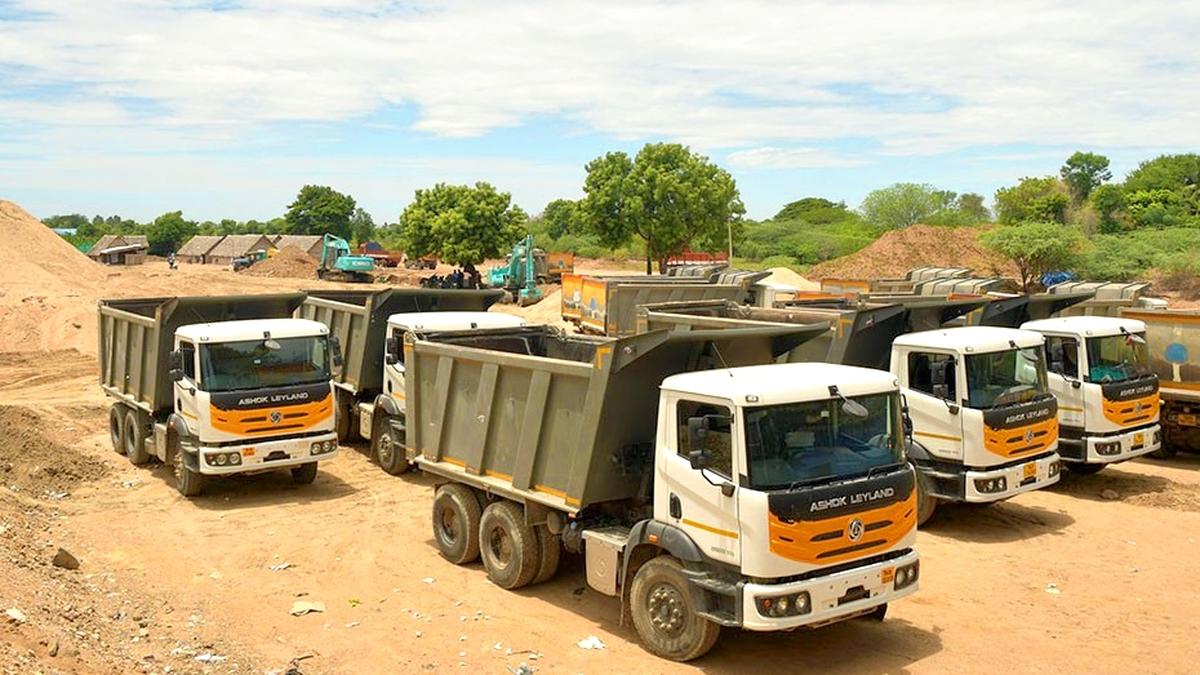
1058, 580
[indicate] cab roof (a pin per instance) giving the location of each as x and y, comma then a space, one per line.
1086, 326
970, 339
250, 329
454, 320
781, 382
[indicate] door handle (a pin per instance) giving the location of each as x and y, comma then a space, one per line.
676, 507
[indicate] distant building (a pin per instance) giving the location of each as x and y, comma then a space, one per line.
196, 249
237, 246
309, 243
120, 249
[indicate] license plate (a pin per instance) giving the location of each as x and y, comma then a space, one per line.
1030, 470
886, 575
1139, 439
1187, 420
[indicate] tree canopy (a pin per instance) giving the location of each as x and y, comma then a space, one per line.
168, 232
563, 217
461, 224
667, 196
1035, 248
1033, 199
900, 205
1083, 172
319, 209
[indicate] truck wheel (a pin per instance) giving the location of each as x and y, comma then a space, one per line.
116, 428
926, 503
456, 519
304, 474
878, 614
342, 416
134, 438
1163, 452
386, 450
664, 615
1084, 469
550, 548
508, 546
189, 483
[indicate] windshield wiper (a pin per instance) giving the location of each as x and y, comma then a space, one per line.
882, 467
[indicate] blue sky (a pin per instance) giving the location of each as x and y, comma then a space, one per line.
224, 109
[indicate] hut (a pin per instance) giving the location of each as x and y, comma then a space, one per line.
237, 246
309, 243
196, 249
120, 249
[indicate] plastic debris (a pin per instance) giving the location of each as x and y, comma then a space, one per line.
1052, 589
209, 657
590, 642
302, 607
281, 566
15, 615
429, 580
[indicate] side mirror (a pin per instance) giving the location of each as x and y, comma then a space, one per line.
699, 459
335, 347
392, 346
176, 374
1075, 384
176, 360
390, 359
1058, 367
941, 391
697, 429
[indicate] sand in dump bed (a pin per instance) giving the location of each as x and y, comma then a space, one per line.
289, 261
898, 251
786, 277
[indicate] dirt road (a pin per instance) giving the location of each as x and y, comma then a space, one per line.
1058, 580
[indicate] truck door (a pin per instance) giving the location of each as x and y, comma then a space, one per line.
393, 369
185, 389
933, 390
694, 498
1063, 376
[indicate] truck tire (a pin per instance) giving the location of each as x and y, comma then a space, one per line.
456, 520
304, 474
384, 448
926, 503
343, 417
116, 427
508, 546
134, 439
663, 614
1163, 452
550, 548
189, 483
1084, 469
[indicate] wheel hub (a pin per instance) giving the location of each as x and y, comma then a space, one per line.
177, 464
666, 609
500, 546
386, 449
449, 525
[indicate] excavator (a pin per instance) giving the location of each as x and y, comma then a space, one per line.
338, 264
519, 276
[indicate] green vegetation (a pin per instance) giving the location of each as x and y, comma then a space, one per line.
904, 204
1036, 248
804, 232
319, 209
460, 224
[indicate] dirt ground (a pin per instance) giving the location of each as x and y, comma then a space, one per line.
1058, 580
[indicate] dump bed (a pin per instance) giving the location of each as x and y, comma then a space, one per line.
1014, 311
563, 420
358, 319
1173, 344
138, 335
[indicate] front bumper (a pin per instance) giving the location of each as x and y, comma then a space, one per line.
828, 594
1128, 442
267, 455
1024, 477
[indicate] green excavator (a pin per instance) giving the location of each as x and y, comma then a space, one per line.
339, 264
520, 275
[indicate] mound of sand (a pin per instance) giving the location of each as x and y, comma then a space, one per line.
35, 257
898, 251
547, 311
34, 464
289, 261
786, 277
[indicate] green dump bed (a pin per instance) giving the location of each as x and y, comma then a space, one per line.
1173, 343
563, 420
358, 319
138, 335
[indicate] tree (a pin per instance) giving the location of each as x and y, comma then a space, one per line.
971, 204
168, 231
1033, 199
562, 217
319, 209
1109, 202
815, 211
1083, 172
1035, 248
901, 205
461, 224
668, 196
362, 225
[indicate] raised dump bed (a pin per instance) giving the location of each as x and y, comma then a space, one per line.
564, 420
1173, 346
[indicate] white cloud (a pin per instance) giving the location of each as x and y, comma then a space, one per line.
919, 78
790, 158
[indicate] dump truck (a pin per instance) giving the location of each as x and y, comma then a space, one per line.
221, 385
984, 419
1108, 298
905, 284
1172, 337
362, 322
1108, 406
764, 497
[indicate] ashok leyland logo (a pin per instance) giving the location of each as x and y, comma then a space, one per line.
855, 531
1029, 435
276, 417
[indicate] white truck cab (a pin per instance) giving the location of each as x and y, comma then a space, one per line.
984, 419
1108, 399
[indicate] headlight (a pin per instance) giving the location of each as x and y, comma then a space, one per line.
1108, 449
778, 606
907, 575
991, 485
221, 459
330, 446
235, 458
1055, 467
316, 448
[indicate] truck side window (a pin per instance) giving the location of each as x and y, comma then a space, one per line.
1063, 353
923, 369
718, 442
188, 350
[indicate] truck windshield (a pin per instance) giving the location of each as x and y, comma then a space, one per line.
1116, 358
799, 443
256, 364
1005, 378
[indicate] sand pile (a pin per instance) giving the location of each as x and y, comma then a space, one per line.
898, 251
36, 257
35, 465
290, 261
786, 277
547, 311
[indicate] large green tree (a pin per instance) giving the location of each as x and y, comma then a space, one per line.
1083, 172
319, 209
461, 224
1036, 248
667, 196
362, 225
901, 205
563, 217
1033, 199
168, 232
1109, 202
971, 205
